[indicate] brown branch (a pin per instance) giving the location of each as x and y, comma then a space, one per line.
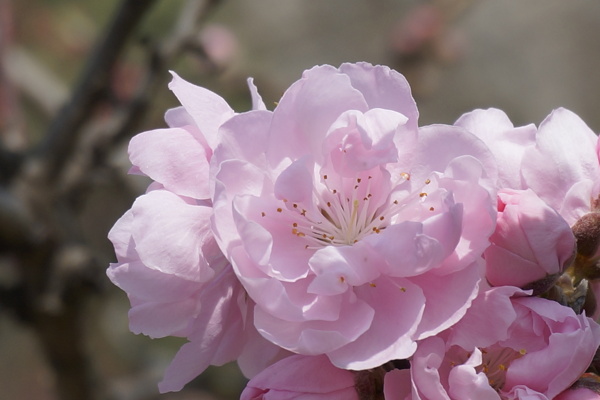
41, 229
101, 139
60, 139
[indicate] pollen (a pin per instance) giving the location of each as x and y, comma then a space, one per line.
405, 176
427, 181
372, 284
522, 352
431, 209
422, 194
279, 209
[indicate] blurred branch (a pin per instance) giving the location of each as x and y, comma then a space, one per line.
41, 192
101, 139
29, 75
60, 139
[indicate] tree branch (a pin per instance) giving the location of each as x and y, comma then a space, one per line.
59, 141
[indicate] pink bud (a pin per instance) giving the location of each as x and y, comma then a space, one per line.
300, 376
531, 241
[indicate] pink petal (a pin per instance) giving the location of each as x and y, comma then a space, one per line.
504, 140
174, 158
257, 101
161, 319
397, 385
120, 236
398, 304
244, 137
306, 111
217, 335
169, 234
419, 252
440, 144
295, 183
565, 153
339, 267
316, 336
448, 297
295, 377
206, 108
482, 327
149, 284
383, 88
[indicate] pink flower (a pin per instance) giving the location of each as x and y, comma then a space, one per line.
507, 143
527, 348
177, 279
303, 377
558, 161
563, 167
531, 241
355, 233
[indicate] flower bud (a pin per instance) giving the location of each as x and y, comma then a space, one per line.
587, 233
531, 242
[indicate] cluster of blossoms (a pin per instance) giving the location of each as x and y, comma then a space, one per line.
337, 250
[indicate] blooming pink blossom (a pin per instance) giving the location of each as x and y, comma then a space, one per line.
528, 348
354, 232
558, 161
507, 142
306, 377
531, 241
178, 281
563, 167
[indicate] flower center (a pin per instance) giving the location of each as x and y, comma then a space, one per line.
338, 217
344, 210
495, 363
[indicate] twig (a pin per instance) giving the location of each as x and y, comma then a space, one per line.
60, 139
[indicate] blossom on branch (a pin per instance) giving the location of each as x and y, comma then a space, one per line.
355, 232
335, 249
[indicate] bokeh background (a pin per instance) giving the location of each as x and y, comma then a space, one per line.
63, 326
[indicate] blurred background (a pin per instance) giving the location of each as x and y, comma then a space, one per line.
79, 78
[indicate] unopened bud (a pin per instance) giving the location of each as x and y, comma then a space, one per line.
587, 234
